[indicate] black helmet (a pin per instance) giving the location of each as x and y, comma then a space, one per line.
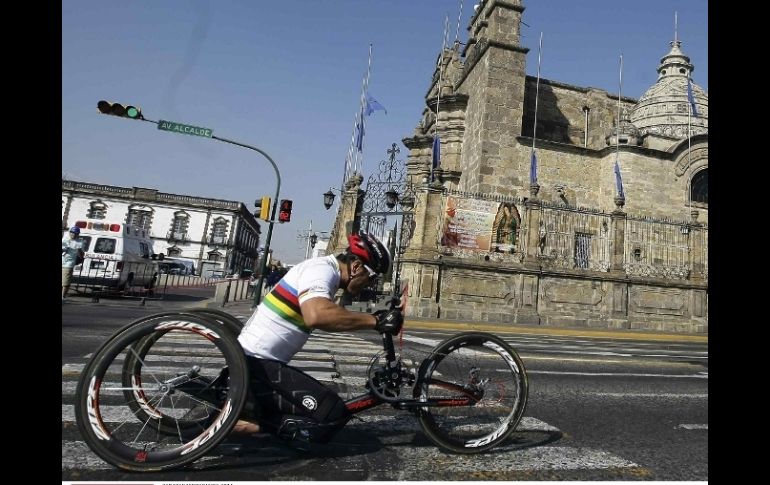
371, 251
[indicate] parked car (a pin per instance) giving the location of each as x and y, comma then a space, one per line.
171, 268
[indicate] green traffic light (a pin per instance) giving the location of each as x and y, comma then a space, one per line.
117, 109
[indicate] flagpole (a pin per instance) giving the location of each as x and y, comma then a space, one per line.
618, 179
435, 145
617, 128
689, 147
361, 108
459, 15
533, 162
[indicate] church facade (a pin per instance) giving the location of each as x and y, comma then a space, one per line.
553, 204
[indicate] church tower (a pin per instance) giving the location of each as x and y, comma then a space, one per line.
493, 78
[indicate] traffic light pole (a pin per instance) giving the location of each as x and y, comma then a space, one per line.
131, 112
258, 291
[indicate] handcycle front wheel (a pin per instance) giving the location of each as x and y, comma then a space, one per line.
477, 388
188, 384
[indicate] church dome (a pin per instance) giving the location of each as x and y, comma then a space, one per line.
664, 109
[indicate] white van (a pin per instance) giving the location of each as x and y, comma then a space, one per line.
117, 256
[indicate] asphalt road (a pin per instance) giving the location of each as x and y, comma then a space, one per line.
598, 409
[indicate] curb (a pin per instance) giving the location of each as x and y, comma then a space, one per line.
597, 333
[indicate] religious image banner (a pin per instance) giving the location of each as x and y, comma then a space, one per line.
468, 223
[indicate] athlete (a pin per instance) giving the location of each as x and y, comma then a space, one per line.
291, 403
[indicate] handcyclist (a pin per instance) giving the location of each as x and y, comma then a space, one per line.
292, 403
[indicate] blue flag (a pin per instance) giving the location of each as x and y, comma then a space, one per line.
436, 158
360, 135
618, 181
533, 169
371, 105
436, 152
690, 98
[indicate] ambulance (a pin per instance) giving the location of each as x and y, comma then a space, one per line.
117, 256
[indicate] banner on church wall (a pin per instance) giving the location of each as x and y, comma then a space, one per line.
479, 224
468, 223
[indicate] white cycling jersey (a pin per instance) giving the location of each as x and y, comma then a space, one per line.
277, 330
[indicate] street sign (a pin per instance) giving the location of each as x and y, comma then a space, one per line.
184, 129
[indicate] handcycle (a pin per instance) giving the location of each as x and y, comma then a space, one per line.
166, 389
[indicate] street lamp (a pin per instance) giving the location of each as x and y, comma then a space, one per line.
391, 198
329, 197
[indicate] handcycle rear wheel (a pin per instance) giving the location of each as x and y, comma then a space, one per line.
482, 385
188, 385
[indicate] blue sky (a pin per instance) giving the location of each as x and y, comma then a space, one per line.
285, 76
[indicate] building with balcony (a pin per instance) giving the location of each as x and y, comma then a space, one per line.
216, 235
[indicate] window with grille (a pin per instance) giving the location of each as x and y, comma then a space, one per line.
582, 250
179, 225
139, 218
219, 232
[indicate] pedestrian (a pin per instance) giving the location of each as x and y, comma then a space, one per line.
71, 254
291, 403
273, 278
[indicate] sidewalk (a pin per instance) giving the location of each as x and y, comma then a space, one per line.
243, 309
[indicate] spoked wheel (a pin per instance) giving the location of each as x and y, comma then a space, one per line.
475, 386
162, 392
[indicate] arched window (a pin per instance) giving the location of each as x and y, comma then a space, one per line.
699, 187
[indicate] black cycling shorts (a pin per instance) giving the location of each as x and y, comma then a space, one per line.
281, 392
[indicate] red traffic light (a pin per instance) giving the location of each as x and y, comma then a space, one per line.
284, 212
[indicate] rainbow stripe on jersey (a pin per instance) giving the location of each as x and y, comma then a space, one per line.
284, 302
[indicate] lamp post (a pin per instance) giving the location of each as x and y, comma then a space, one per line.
311, 238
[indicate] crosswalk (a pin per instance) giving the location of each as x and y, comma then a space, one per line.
341, 360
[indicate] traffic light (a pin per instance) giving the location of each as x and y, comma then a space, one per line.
117, 109
284, 212
263, 205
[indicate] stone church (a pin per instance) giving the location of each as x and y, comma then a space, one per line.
561, 238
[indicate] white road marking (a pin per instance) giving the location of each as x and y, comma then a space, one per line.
412, 461
693, 426
617, 374
665, 395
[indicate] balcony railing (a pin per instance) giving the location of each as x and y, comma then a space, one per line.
218, 239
